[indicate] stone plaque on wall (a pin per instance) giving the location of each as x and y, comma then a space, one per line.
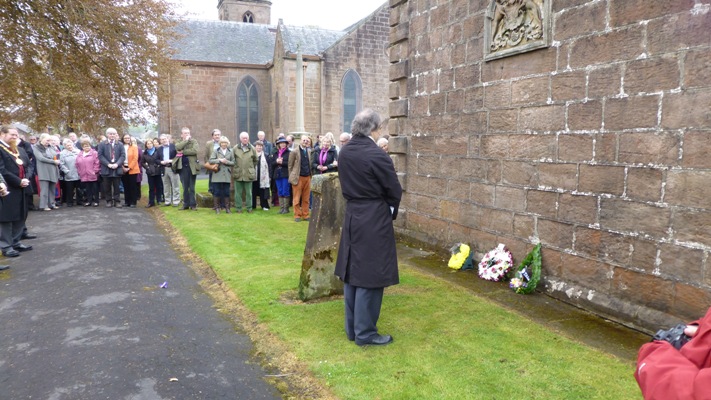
516, 26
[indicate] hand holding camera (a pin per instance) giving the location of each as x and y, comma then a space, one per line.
676, 336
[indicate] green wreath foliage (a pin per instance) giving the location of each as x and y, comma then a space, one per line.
528, 272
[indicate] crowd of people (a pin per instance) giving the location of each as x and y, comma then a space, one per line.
83, 170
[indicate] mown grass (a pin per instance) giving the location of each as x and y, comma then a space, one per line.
448, 344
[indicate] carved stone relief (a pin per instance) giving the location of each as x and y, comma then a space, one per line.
516, 26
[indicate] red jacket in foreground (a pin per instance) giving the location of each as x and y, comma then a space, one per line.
665, 373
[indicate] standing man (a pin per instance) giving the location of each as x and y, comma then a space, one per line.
112, 154
244, 172
210, 147
171, 179
16, 170
300, 178
187, 149
367, 259
268, 146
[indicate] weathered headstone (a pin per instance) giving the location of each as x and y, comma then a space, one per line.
319, 262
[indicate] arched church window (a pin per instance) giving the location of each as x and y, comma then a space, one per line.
248, 108
248, 17
352, 89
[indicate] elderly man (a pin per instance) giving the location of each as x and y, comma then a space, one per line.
16, 171
344, 138
187, 149
268, 146
112, 155
171, 179
367, 260
300, 178
211, 145
243, 173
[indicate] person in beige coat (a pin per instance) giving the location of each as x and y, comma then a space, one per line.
300, 178
225, 157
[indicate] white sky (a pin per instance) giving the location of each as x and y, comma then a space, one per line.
329, 14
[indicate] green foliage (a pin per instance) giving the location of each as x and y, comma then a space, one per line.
532, 262
449, 344
83, 63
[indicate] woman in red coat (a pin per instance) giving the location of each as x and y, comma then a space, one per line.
665, 373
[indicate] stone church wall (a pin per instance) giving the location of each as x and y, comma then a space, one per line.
596, 146
363, 50
205, 97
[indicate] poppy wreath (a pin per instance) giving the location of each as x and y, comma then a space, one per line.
496, 264
528, 273
461, 257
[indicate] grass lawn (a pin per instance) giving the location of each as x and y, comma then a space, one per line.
448, 343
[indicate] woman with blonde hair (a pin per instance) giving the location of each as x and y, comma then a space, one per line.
130, 172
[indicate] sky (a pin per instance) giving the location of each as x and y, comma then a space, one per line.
328, 14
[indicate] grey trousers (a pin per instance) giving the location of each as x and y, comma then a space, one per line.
171, 187
362, 312
10, 233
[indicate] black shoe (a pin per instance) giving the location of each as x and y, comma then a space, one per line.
4, 267
185, 208
28, 236
149, 206
22, 247
377, 340
10, 253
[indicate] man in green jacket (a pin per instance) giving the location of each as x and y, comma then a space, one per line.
187, 149
244, 172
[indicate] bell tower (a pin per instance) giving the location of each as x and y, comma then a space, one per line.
248, 11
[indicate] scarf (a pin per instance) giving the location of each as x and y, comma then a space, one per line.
281, 151
263, 172
151, 151
322, 156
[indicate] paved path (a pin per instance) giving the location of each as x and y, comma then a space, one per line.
82, 317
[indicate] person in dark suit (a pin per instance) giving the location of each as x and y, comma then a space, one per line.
367, 258
111, 157
16, 170
171, 179
33, 187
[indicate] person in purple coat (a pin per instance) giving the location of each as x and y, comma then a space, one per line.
88, 166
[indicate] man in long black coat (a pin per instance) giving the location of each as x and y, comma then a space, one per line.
367, 258
17, 171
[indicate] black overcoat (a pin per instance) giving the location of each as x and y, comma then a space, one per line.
366, 255
13, 207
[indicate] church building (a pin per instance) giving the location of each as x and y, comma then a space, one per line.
239, 73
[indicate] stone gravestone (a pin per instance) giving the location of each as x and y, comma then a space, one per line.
319, 263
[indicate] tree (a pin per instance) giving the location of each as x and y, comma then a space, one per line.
83, 64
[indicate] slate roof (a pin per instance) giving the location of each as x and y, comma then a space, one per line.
313, 41
225, 42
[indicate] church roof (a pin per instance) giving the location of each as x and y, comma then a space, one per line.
224, 42
313, 41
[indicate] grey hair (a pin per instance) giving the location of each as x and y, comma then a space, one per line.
243, 134
111, 130
64, 142
365, 122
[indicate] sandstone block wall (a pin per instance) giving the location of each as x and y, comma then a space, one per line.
596, 147
205, 97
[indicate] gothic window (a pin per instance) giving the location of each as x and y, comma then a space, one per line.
351, 87
248, 17
248, 108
